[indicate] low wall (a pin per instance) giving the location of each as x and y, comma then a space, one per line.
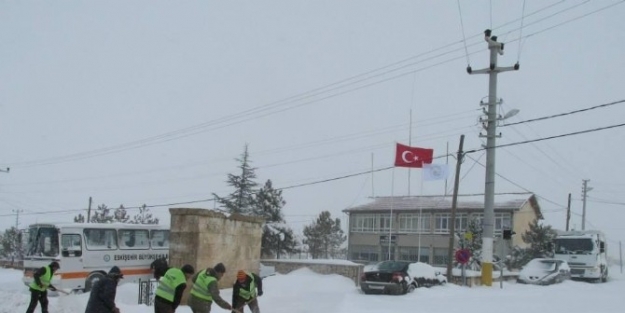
345, 268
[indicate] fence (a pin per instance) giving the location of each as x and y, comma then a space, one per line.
147, 288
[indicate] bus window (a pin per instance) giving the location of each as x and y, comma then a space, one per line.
71, 246
43, 241
101, 239
160, 239
133, 239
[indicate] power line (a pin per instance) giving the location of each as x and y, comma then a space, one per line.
567, 113
551, 137
192, 130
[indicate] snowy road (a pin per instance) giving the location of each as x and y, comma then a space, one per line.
306, 292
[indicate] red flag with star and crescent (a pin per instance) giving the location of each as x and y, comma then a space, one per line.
407, 156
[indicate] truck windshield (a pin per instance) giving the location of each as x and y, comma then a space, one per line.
43, 242
574, 246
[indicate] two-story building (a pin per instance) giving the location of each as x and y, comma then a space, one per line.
418, 228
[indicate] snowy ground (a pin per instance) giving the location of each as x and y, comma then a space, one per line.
304, 291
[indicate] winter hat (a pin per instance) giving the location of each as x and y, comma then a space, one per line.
241, 275
188, 269
220, 268
116, 272
55, 265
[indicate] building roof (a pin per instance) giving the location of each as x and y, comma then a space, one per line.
438, 202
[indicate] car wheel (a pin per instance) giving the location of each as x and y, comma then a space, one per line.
404, 288
412, 287
604, 276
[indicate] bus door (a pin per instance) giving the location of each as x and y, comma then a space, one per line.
71, 253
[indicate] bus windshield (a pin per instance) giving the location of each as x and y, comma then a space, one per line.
43, 241
574, 246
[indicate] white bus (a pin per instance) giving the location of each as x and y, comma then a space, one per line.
86, 252
586, 251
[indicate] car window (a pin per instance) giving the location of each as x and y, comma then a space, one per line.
391, 266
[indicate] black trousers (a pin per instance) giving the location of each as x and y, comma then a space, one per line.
42, 297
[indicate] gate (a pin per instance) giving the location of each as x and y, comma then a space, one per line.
147, 288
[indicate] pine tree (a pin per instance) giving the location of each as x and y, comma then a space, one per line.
268, 203
120, 215
240, 201
324, 237
144, 217
540, 239
79, 218
11, 242
472, 240
102, 215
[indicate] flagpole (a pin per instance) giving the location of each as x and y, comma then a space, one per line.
390, 228
410, 144
372, 190
420, 223
446, 165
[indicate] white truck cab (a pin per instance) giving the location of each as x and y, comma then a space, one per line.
586, 253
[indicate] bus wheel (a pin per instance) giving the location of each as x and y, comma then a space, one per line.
92, 279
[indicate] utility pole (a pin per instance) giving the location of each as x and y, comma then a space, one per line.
585, 190
496, 48
17, 243
89, 211
568, 213
17, 218
454, 204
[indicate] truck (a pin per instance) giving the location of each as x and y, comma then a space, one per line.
586, 252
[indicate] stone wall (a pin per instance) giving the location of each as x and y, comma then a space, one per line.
348, 269
203, 238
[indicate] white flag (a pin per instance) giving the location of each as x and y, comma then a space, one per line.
435, 172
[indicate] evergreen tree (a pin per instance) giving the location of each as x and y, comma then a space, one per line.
268, 203
540, 239
144, 217
241, 200
324, 237
472, 240
11, 242
79, 218
102, 215
120, 215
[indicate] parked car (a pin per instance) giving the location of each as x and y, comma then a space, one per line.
544, 272
425, 275
387, 277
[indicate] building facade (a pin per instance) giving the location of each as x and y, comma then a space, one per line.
418, 227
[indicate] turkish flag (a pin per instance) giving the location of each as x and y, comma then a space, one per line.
407, 156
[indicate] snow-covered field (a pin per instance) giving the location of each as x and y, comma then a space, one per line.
305, 291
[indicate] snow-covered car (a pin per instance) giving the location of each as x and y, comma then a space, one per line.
425, 275
544, 271
387, 277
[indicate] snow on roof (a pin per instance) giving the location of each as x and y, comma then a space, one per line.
439, 202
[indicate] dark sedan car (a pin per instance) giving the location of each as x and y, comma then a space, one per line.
388, 277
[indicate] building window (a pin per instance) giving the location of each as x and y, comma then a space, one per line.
409, 223
502, 221
440, 256
412, 254
369, 223
441, 223
365, 253
462, 222
364, 223
384, 222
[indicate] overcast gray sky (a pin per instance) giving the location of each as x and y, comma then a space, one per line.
134, 102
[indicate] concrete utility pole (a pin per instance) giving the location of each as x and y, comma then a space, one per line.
490, 124
568, 213
89, 211
585, 190
454, 204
